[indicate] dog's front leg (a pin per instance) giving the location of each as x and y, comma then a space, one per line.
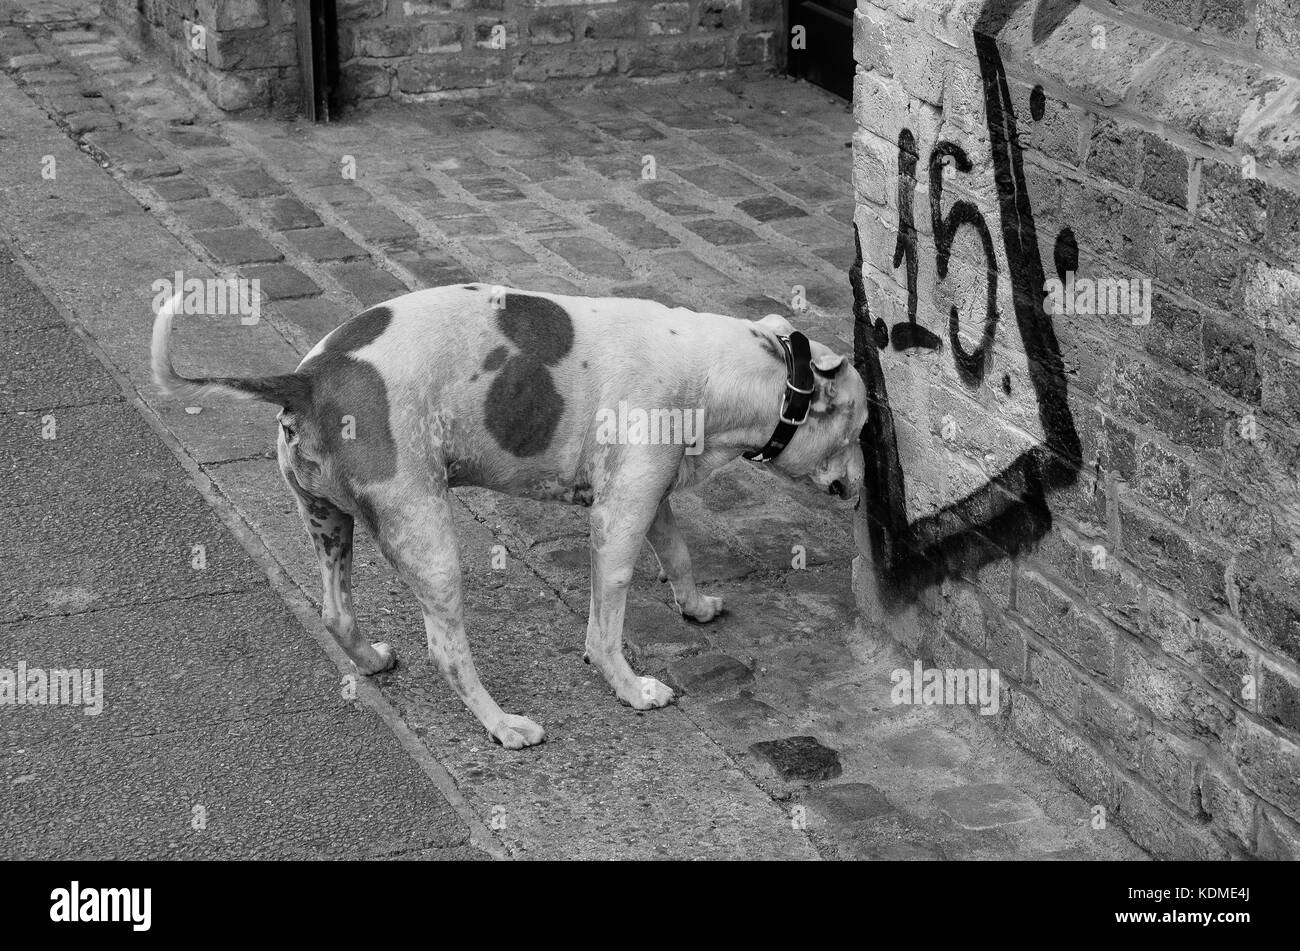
618, 527
675, 562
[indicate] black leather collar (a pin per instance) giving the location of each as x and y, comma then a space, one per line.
797, 399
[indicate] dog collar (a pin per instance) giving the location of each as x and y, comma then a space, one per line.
797, 399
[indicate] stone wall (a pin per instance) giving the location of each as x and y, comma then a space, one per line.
408, 48
1093, 486
244, 52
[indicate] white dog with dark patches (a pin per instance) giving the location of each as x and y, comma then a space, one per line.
516, 391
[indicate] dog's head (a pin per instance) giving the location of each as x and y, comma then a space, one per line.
825, 449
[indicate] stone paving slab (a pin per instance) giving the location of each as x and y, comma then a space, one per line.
624, 192
218, 729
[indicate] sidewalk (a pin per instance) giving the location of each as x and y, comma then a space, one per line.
219, 712
785, 742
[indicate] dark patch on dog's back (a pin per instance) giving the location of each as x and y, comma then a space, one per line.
540, 327
363, 329
495, 358
523, 407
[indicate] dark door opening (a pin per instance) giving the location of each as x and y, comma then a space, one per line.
318, 58
827, 55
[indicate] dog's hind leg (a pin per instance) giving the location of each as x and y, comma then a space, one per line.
618, 527
417, 535
675, 562
330, 529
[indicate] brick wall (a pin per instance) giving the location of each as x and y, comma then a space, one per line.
416, 47
246, 53
1100, 501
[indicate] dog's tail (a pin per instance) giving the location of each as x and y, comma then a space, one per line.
290, 390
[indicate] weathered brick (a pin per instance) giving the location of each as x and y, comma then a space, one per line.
1279, 696
205, 215
719, 14
280, 281
1164, 169
1230, 362
565, 63
610, 23
232, 14
722, 232
632, 228
385, 40
1178, 411
1152, 681
1113, 150
667, 19
1218, 656
590, 257
1282, 224
1200, 263
1279, 836
1162, 830
1074, 758
368, 284
1172, 765
1230, 201
1164, 481
1268, 763
1272, 301
1229, 805
285, 214
324, 244
252, 183
237, 246
494, 33
1278, 22
756, 48
551, 26
1054, 682
1281, 383
178, 189
1114, 725
703, 53
1171, 559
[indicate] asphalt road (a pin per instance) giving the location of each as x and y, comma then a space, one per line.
224, 732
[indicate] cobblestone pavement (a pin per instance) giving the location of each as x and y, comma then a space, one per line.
734, 200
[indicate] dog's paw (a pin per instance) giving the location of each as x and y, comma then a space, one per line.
514, 733
647, 693
387, 659
704, 608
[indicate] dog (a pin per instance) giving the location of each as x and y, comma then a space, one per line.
529, 394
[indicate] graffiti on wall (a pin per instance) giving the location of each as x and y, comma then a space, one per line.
1009, 510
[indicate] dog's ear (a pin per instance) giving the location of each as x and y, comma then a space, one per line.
778, 323
826, 368
828, 363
